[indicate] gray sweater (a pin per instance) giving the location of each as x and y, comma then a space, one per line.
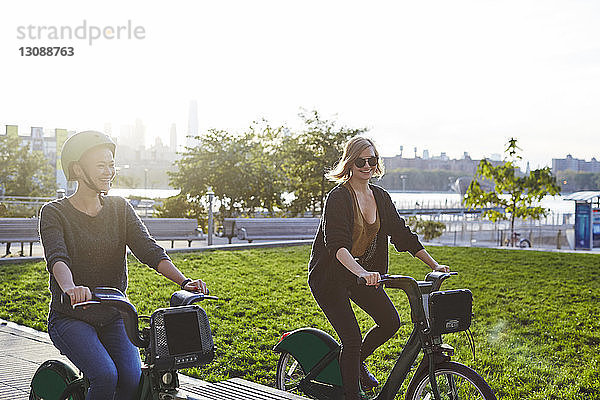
94, 249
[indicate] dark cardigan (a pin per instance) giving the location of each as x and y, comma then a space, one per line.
335, 232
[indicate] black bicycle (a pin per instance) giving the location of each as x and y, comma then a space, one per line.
177, 337
308, 363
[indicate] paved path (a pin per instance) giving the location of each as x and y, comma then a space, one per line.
23, 349
21, 352
180, 247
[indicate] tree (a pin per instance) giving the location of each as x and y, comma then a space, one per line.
308, 156
126, 181
181, 206
515, 195
242, 170
427, 228
572, 181
24, 172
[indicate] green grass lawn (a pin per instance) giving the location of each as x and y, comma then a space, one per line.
536, 325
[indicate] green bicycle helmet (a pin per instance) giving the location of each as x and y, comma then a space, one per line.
78, 144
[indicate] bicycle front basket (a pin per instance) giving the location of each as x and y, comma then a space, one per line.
181, 338
450, 311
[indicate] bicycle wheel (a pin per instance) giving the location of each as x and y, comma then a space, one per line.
289, 373
524, 243
455, 381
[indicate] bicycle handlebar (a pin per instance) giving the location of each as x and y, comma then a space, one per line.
185, 298
437, 278
411, 287
113, 297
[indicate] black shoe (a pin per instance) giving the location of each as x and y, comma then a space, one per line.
367, 379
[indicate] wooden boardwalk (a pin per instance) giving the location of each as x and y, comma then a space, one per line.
23, 349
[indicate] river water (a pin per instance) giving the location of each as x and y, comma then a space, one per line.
560, 210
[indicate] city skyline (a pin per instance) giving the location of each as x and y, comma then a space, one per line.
126, 137
447, 77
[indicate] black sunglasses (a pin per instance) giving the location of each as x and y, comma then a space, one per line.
360, 162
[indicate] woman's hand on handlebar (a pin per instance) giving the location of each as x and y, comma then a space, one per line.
441, 268
371, 278
196, 286
79, 294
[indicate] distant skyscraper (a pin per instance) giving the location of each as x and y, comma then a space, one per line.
173, 138
575, 164
139, 134
192, 131
126, 136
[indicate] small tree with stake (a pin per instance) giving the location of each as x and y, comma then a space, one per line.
516, 195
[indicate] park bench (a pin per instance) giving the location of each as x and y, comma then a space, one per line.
228, 228
19, 230
270, 228
174, 229
25, 230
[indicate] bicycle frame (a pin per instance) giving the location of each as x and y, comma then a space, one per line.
420, 339
155, 383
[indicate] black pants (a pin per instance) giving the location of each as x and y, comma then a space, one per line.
334, 300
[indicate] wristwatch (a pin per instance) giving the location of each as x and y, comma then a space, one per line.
185, 282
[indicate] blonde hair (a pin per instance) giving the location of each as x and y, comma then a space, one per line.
342, 171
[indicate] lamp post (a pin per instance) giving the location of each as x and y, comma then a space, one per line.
403, 177
211, 196
146, 187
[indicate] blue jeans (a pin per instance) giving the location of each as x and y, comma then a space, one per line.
105, 355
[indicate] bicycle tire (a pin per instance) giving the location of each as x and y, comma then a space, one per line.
78, 394
524, 243
455, 381
289, 373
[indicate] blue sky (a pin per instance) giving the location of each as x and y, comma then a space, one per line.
449, 76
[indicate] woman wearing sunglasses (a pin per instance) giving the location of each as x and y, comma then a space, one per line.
351, 242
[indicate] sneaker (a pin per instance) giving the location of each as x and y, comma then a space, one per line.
366, 396
367, 379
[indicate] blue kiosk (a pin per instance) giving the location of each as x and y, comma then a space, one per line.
587, 219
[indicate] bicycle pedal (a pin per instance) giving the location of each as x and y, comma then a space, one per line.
367, 396
447, 349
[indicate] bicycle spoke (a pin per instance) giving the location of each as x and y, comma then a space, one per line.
290, 372
453, 385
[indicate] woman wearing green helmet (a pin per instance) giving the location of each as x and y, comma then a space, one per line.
85, 237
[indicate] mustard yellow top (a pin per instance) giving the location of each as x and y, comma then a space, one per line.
363, 233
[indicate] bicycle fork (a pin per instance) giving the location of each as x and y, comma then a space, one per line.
405, 361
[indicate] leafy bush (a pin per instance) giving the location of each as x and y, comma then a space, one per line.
426, 228
181, 206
